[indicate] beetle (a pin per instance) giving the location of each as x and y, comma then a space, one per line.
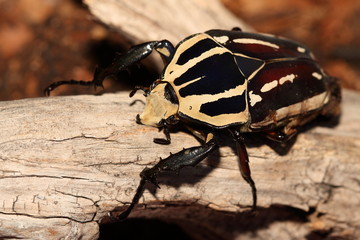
226, 81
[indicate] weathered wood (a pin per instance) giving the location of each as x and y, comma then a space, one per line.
67, 161
144, 20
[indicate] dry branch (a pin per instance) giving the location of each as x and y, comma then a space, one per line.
144, 20
67, 161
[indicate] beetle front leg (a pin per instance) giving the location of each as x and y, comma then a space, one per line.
186, 157
121, 62
166, 140
166, 124
244, 164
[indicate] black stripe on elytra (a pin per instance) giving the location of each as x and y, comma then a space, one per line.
196, 50
215, 74
235, 104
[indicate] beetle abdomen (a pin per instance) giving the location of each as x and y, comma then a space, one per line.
284, 89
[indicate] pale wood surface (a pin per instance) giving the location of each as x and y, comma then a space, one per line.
67, 161
144, 20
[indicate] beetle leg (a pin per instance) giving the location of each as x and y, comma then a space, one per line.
244, 164
236, 29
172, 120
280, 136
199, 134
166, 50
186, 157
166, 140
121, 62
96, 82
245, 170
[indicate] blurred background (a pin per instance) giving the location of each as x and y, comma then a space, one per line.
42, 41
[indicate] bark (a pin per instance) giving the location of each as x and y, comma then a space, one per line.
68, 161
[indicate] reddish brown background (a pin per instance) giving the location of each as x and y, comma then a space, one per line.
42, 41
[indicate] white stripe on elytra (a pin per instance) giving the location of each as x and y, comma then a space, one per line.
301, 49
181, 69
204, 98
255, 41
317, 75
289, 78
268, 86
273, 84
307, 105
254, 98
188, 43
221, 39
190, 106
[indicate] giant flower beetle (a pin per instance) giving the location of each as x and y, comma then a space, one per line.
226, 81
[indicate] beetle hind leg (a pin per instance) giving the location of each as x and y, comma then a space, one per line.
186, 157
280, 135
244, 165
245, 170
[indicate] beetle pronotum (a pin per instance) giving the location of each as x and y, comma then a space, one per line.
226, 81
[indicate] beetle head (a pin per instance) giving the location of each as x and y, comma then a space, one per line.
161, 106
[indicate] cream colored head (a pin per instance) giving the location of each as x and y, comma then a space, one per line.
157, 107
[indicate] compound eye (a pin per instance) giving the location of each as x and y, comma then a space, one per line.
170, 94
153, 85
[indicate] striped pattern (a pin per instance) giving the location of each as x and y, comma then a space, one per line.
286, 88
260, 46
208, 82
224, 78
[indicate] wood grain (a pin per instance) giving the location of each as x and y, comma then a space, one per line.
67, 161
173, 20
